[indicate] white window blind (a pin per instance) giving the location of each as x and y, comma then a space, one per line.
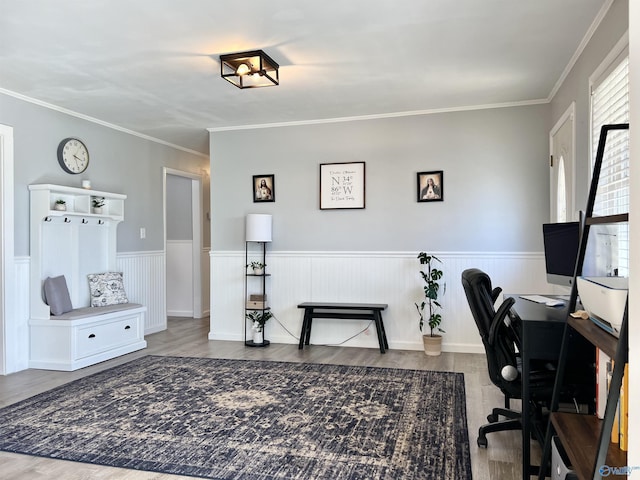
610, 105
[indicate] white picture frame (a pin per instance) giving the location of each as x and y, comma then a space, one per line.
342, 186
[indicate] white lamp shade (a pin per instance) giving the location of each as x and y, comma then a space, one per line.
258, 227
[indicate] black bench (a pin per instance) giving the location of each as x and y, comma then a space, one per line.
347, 311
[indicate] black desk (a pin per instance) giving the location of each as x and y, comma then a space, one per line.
352, 311
541, 331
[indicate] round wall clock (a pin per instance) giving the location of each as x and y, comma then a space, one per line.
73, 155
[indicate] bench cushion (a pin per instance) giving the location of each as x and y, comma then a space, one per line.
93, 311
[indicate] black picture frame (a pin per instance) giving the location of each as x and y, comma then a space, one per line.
264, 188
436, 192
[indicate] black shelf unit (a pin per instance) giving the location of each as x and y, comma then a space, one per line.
586, 438
248, 285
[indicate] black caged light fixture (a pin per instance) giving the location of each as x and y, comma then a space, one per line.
249, 69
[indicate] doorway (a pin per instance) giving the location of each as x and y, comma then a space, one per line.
182, 193
562, 168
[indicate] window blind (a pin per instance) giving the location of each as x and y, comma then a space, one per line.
609, 105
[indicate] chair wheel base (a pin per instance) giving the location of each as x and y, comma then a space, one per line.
482, 441
491, 418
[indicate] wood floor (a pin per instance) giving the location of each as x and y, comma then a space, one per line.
188, 337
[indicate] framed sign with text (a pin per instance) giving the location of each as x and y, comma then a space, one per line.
341, 185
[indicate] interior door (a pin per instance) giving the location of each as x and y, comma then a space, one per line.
562, 169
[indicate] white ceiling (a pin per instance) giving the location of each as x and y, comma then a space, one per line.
151, 66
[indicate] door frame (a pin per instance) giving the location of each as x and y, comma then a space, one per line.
196, 222
7, 264
568, 115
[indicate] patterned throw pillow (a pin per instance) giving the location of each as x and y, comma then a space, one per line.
106, 289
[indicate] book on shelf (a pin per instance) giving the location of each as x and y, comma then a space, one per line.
615, 429
603, 364
624, 410
620, 427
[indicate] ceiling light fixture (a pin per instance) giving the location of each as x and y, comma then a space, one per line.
249, 69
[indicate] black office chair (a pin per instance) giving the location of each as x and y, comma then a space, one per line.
502, 344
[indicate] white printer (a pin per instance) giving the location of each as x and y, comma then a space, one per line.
604, 299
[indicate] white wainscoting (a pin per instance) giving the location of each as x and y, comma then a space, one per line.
180, 278
144, 282
375, 277
17, 328
206, 283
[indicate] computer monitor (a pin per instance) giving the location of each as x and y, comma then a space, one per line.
561, 243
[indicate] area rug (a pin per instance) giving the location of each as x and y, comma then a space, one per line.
241, 419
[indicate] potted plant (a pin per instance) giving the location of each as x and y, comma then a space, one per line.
60, 205
428, 309
97, 203
258, 267
258, 318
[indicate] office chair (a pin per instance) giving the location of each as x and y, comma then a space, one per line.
502, 343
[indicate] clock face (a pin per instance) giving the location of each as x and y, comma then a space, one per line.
73, 155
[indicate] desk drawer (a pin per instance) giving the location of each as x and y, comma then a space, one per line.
100, 337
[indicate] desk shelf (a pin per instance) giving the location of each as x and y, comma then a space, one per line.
596, 335
587, 428
586, 438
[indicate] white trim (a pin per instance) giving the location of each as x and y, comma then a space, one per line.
569, 113
179, 242
7, 267
144, 253
379, 254
633, 456
98, 121
583, 44
380, 116
606, 64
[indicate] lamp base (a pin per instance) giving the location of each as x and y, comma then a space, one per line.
251, 343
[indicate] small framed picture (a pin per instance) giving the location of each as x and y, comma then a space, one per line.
341, 185
430, 186
264, 189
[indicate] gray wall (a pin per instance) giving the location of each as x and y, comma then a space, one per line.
496, 187
119, 162
576, 88
179, 212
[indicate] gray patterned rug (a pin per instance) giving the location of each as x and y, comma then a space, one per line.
240, 419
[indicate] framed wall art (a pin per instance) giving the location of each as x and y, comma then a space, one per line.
342, 185
264, 189
430, 186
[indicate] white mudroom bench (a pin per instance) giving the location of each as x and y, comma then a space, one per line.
85, 336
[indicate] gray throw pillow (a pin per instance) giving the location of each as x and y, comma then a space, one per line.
56, 295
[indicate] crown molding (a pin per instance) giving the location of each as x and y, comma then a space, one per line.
380, 116
583, 44
112, 126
